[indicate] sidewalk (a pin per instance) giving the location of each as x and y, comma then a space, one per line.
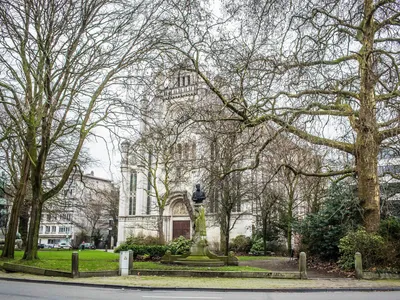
254, 284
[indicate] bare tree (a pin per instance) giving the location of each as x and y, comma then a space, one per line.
60, 61
308, 67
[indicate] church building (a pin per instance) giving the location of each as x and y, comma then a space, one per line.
173, 153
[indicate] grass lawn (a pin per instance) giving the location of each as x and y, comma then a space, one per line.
94, 260
89, 260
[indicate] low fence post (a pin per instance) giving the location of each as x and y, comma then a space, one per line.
358, 265
75, 264
303, 265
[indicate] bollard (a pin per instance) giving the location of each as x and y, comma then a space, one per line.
124, 263
358, 265
130, 268
75, 264
303, 265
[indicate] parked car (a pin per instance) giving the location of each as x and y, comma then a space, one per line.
63, 245
41, 246
49, 245
87, 246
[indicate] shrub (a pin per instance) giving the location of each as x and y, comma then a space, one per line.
390, 229
142, 240
180, 245
371, 246
240, 244
321, 232
153, 251
271, 246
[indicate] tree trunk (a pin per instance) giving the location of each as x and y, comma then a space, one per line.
289, 221
23, 222
367, 142
264, 232
160, 226
9, 246
228, 221
33, 233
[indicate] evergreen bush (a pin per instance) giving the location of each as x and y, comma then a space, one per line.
240, 244
153, 251
181, 245
321, 232
371, 246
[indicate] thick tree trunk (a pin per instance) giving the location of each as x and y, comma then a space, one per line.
33, 234
9, 246
36, 212
367, 143
23, 222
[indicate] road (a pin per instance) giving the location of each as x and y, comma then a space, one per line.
10, 290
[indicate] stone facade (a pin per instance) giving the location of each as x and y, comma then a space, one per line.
138, 209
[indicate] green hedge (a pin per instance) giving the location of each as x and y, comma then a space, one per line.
152, 251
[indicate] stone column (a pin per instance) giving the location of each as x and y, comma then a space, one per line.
75, 265
303, 265
358, 265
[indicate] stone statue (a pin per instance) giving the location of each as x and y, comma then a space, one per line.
198, 195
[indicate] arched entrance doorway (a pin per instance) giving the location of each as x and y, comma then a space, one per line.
180, 221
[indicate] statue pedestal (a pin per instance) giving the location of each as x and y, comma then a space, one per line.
199, 254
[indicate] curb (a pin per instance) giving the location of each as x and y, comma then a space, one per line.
146, 288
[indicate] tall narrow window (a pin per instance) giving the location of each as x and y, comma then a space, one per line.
183, 80
186, 151
132, 193
188, 80
179, 151
213, 204
194, 151
179, 81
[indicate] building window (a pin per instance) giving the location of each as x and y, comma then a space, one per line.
188, 80
53, 229
179, 151
178, 173
213, 203
64, 229
193, 151
47, 229
186, 151
132, 193
48, 217
41, 229
237, 207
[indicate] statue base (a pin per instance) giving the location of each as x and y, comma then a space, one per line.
199, 254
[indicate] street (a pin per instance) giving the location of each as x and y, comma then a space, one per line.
23, 290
